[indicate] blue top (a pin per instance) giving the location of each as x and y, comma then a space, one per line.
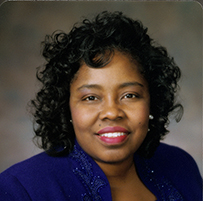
171, 175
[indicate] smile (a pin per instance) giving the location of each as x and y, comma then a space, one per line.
112, 135
113, 130
113, 138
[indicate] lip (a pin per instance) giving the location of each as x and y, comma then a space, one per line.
121, 135
113, 140
113, 130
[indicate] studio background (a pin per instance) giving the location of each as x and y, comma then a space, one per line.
23, 25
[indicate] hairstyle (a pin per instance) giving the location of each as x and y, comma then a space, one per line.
94, 42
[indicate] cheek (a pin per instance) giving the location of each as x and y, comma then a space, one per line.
78, 118
82, 119
78, 123
141, 117
76, 115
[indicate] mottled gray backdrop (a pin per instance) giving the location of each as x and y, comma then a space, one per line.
23, 25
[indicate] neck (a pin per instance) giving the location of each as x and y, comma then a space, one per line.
118, 172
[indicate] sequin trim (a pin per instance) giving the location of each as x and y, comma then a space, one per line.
93, 183
166, 190
84, 172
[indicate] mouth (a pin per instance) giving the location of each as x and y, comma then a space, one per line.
113, 135
112, 129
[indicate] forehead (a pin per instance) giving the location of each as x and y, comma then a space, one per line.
121, 68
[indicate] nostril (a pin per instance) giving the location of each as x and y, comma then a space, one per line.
112, 113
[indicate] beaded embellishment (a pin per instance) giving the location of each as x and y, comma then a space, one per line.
166, 190
94, 183
84, 172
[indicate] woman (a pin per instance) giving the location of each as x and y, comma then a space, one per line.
102, 110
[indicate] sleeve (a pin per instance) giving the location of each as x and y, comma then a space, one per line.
11, 189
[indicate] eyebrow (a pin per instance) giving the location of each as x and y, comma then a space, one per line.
123, 85
89, 86
126, 84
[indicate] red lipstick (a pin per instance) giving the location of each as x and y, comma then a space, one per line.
113, 130
113, 135
113, 140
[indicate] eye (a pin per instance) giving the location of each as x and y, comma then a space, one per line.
90, 98
131, 96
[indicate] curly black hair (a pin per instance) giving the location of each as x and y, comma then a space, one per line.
94, 42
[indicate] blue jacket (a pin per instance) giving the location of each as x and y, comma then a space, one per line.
171, 175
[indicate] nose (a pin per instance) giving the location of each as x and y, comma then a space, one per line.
111, 110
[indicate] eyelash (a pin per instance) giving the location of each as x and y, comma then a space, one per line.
94, 98
88, 98
132, 96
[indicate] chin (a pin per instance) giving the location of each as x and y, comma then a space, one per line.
113, 158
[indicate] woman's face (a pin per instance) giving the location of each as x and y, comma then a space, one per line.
110, 109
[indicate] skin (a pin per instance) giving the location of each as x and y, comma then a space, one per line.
115, 95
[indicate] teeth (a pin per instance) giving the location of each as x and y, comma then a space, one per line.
112, 134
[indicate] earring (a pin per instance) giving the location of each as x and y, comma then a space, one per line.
71, 121
148, 129
151, 117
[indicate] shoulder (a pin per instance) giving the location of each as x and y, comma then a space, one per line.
174, 157
36, 164
39, 166
42, 177
37, 174
171, 152
178, 167
173, 160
